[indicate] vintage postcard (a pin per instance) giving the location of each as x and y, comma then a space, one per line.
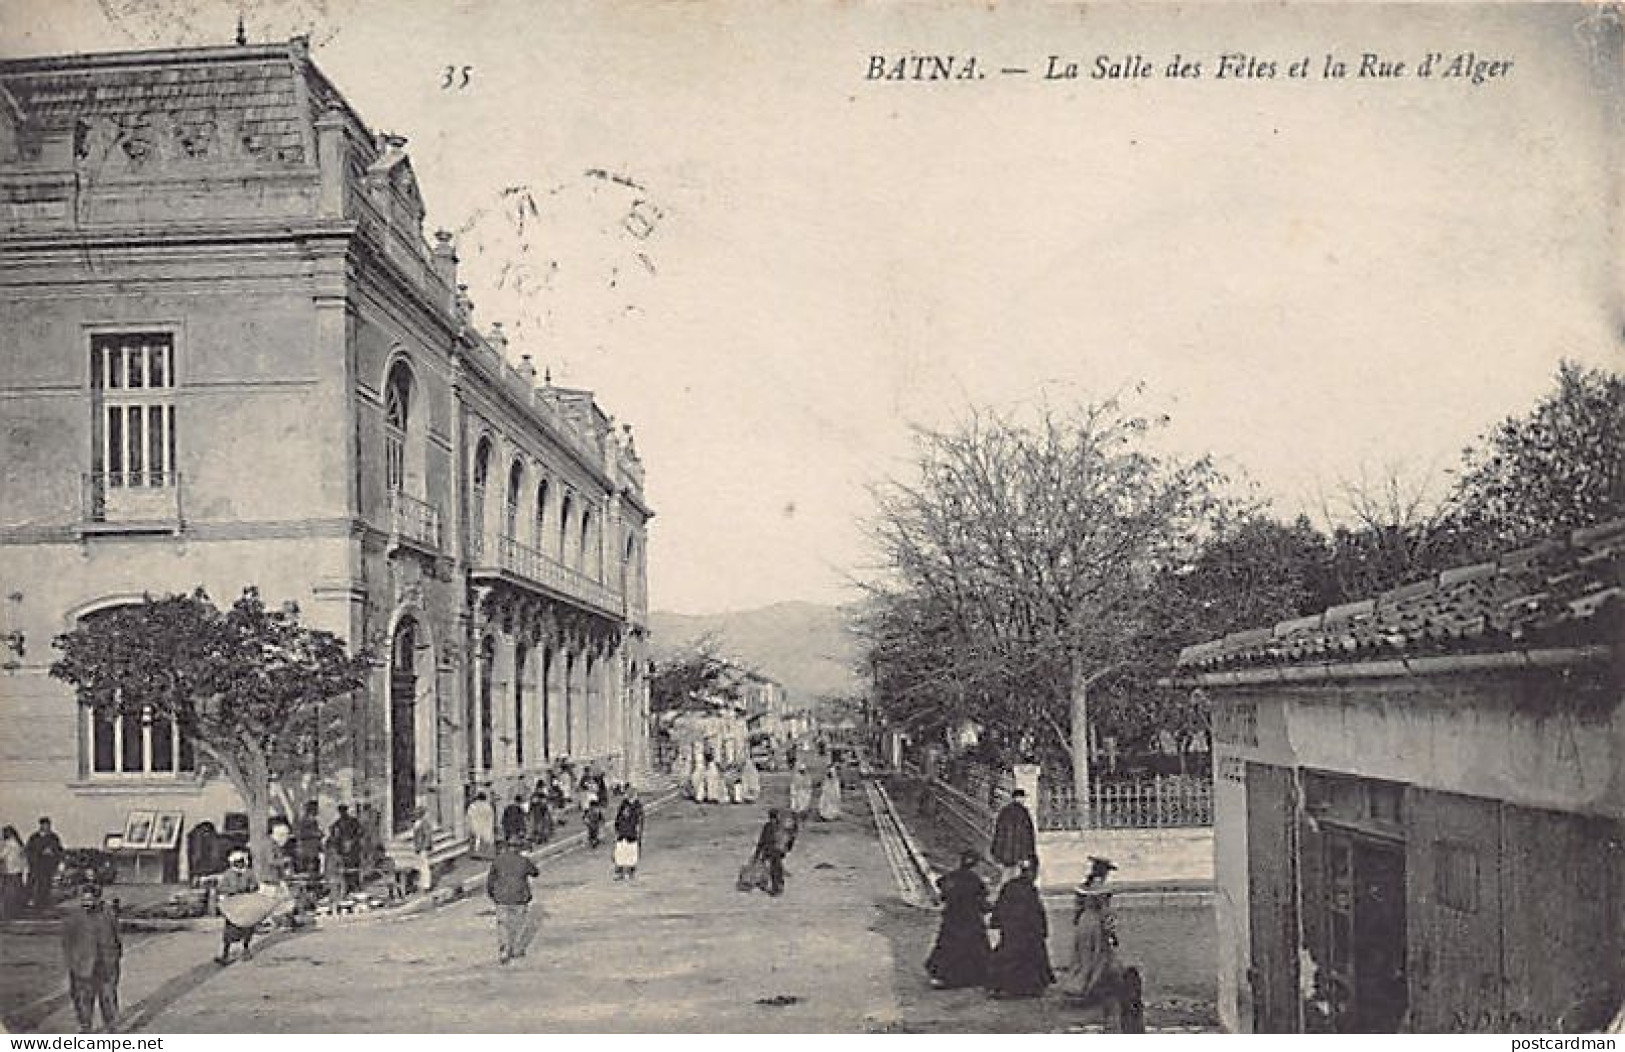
818, 517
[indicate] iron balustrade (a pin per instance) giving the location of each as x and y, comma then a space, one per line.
530, 564
974, 796
1161, 803
415, 520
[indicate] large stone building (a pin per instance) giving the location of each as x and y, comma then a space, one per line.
231, 359
1420, 802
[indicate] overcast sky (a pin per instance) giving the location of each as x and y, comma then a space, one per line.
1314, 277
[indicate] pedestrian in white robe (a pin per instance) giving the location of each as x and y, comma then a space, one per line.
829, 796
482, 825
714, 788
800, 790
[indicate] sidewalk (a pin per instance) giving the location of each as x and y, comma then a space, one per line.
161, 967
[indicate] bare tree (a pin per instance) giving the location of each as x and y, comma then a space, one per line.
1023, 567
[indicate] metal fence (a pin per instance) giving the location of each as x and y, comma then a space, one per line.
1161, 803
976, 793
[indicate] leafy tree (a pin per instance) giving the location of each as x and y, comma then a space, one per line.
1251, 571
1022, 567
1558, 468
249, 685
697, 678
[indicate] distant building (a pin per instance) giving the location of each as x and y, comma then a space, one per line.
766, 704
231, 358
1420, 802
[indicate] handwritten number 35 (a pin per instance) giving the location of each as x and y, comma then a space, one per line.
457, 77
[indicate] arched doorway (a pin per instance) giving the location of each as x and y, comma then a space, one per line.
403, 750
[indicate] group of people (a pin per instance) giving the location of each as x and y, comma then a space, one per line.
28, 871
508, 882
765, 868
711, 783
1019, 965
531, 818
829, 793
338, 855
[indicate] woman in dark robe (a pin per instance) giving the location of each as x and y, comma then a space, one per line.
514, 823
540, 815
1019, 966
960, 956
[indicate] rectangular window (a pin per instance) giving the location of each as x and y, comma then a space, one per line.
132, 378
161, 746
132, 743
138, 743
1456, 876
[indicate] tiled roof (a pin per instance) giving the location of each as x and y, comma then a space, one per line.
1564, 592
257, 95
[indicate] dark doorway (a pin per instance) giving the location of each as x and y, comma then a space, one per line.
403, 748
1366, 924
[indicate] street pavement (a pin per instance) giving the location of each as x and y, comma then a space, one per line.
678, 950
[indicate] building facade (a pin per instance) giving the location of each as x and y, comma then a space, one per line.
1420, 803
766, 705
233, 359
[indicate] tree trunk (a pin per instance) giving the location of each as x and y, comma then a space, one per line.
259, 834
250, 776
1080, 742
253, 778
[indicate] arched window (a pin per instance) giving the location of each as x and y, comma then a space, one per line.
585, 560
516, 482
564, 529
589, 699
539, 527
569, 702
545, 702
488, 657
520, 654
476, 518
403, 742
397, 415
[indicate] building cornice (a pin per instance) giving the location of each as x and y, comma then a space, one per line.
172, 235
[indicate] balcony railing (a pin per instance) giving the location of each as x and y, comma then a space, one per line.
131, 501
532, 566
414, 520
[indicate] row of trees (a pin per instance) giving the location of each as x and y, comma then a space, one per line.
1038, 576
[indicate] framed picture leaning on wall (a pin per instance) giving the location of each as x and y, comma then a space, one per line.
138, 829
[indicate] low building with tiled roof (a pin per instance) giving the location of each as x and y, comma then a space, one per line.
1420, 802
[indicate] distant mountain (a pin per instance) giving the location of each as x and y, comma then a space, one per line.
805, 646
